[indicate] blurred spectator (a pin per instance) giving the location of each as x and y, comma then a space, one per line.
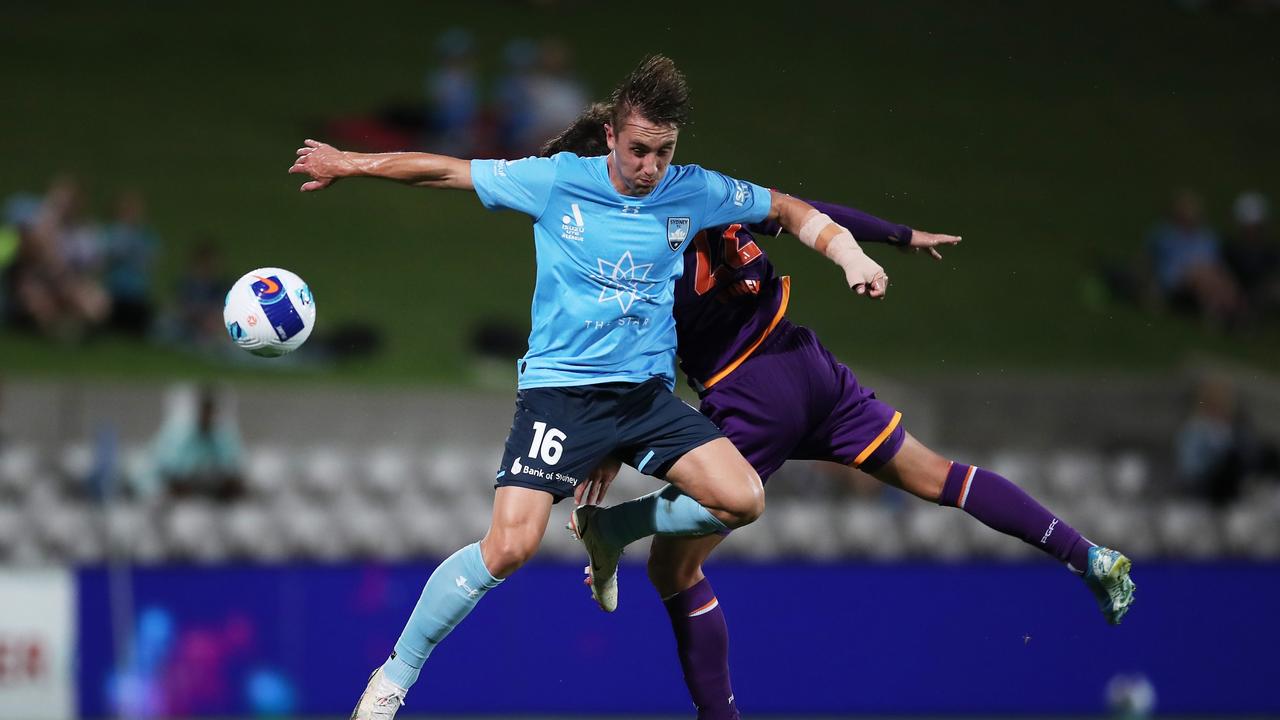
1216, 446
559, 96
514, 96
129, 249
1187, 262
198, 451
539, 96
453, 94
196, 322
58, 254
1253, 252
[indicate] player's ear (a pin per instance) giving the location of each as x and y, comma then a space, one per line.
609, 137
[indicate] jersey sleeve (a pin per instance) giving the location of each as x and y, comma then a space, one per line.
864, 226
733, 201
521, 185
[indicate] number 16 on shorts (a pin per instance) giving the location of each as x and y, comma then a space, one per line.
546, 444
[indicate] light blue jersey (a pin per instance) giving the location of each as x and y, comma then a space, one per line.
607, 262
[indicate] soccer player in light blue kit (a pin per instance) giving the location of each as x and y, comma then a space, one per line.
609, 234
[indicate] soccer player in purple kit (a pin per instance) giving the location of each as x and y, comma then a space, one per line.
777, 393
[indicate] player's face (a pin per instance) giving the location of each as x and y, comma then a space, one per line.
642, 152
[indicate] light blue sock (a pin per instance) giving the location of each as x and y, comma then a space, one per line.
664, 512
452, 590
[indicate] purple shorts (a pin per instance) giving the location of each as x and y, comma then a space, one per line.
792, 399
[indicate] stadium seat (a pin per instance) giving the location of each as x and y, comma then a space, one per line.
426, 527
1130, 475
805, 529
13, 529
19, 467
193, 532
365, 532
389, 472
132, 533
252, 532
75, 461
1075, 473
455, 471
1251, 530
69, 530
268, 469
325, 470
869, 529
309, 530
932, 531
1187, 530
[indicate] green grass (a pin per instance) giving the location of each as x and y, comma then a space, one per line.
1048, 135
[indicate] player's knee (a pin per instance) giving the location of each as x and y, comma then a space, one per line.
505, 554
746, 504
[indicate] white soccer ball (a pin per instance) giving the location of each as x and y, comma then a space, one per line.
269, 312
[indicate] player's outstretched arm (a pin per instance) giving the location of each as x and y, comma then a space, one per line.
818, 231
869, 228
326, 164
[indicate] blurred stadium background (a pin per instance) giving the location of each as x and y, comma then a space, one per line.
261, 562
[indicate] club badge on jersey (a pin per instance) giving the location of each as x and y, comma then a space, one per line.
677, 231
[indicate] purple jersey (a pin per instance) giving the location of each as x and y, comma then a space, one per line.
730, 298
727, 302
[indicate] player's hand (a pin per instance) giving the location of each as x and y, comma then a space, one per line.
866, 277
592, 491
324, 163
927, 241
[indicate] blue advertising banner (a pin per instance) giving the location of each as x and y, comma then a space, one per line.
806, 639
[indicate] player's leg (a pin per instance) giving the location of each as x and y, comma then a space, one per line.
697, 620
866, 433
1001, 505
557, 436
721, 480
455, 587
712, 486
519, 521
765, 408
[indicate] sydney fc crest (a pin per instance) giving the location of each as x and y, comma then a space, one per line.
677, 231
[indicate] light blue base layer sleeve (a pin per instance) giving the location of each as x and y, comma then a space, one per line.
452, 590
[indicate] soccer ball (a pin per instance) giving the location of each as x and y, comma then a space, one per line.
269, 312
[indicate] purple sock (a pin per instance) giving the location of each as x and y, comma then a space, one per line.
1003, 506
702, 640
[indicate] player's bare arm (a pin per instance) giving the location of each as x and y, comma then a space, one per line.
869, 228
326, 164
819, 232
